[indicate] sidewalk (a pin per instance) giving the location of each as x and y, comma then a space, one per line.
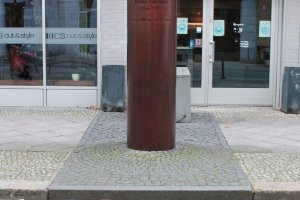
35, 142
267, 144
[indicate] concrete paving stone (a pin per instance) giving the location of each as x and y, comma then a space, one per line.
14, 146
293, 136
37, 128
284, 141
52, 147
257, 129
261, 186
47, 133
258, 137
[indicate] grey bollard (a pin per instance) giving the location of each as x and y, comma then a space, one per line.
183, 94
113, 88
291, 90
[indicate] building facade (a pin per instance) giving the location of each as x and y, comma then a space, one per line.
51, 51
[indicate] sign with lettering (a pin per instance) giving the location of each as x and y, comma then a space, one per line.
144, 7
21, 35
71, 35
244, 44
53, 35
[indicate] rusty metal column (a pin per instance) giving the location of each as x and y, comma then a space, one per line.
151, 74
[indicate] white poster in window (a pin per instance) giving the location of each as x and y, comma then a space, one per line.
219, 28
199, 30
264, 29
182, 25
244, 44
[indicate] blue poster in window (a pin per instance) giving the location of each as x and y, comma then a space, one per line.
182, 25
219, 28
265, 29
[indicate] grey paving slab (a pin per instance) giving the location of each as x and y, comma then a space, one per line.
257, 129
202, 159
43, 129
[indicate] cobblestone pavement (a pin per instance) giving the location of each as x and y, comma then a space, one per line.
271, 167
201, 158
29, 170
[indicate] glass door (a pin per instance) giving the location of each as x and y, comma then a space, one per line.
239, 52
190, 27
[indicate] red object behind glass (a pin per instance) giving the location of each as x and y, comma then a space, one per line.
17, 63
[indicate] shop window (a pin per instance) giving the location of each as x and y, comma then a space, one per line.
20, 42
71, 38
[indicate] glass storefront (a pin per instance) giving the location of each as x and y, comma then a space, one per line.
51, 47
71, 30
21, 42
71, 42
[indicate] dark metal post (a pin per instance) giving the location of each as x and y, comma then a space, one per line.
223, 67
151, 74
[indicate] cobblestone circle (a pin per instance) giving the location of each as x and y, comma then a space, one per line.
201, 158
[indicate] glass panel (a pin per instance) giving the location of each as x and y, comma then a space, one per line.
71, 37
189, 38
20, 42
242, 31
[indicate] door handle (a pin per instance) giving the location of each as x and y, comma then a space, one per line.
211, 52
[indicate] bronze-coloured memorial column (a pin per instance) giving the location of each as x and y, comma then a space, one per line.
151, 74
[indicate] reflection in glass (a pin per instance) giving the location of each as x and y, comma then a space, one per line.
242, 56
189, 43
71, 42
20, 42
